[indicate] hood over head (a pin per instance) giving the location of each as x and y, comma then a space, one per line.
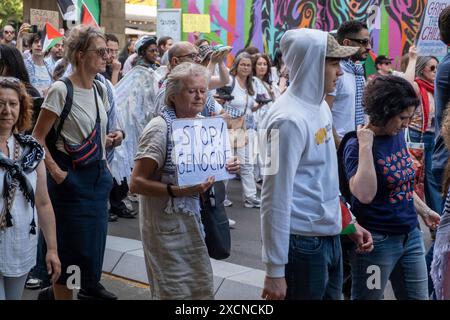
304, 52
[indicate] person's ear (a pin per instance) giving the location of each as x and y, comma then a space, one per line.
346, 42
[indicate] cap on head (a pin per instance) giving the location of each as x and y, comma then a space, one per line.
335, 50
143, 42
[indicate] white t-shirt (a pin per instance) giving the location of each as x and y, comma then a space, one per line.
41, 80
17, 246
241, 98
343, 109
81, 120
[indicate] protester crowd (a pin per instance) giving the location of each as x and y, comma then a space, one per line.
86, 127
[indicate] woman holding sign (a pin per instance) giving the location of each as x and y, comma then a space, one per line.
177, 260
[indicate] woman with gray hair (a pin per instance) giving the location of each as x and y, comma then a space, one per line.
177, 260
421, 72
72, 129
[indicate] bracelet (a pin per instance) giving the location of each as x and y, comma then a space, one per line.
170, 191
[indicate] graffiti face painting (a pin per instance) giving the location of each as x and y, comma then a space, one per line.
393, 24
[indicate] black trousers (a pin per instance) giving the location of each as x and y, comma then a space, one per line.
117, 194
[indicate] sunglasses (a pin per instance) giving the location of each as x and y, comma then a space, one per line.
101, 52
192, 56
433, 68
363, 42
8, 32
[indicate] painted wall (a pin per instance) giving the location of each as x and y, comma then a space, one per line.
261, 23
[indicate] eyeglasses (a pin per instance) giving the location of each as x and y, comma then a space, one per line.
101, 52
8, 32
433, 68
388, 63
363, 42
191, 56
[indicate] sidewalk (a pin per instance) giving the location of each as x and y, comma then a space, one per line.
124, 258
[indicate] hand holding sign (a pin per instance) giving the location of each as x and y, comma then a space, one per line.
194, 190
201, 150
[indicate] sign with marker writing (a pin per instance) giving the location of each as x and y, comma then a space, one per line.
168, 23
201, 149
196, 22
429, 42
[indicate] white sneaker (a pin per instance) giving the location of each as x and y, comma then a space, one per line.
252, 203
133, 197
227, 203
231, 222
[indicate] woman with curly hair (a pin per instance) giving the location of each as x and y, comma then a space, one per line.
381, 180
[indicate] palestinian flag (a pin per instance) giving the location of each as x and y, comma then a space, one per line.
348, 226
89, 12
51, 37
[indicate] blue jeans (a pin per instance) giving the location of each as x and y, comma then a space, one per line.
314, 269
399, 258
433, 196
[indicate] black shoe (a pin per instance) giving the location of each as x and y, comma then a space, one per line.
46, 294
126, 213
97, 293
112, 217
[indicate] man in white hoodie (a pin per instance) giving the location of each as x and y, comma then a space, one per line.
300, 210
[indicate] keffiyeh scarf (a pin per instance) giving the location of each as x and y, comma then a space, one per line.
358, 70
187, 205
15, 176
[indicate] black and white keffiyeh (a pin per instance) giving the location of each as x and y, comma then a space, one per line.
15, 176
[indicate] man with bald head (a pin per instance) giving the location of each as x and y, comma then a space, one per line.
8, 35
180, 52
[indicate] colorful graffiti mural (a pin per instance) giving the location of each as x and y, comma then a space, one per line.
261, 23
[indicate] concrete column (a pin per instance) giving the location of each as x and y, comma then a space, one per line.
113, 18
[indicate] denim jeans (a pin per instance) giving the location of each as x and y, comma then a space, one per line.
399, 258
314, 269
432, 186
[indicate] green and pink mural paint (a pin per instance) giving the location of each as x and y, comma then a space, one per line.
261, 23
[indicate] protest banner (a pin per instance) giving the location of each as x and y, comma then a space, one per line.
196, 22
201, 149
428, 42
39, 17
168, 23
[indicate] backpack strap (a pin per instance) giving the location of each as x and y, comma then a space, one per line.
67, 105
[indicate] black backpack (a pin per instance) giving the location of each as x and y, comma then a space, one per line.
53, 134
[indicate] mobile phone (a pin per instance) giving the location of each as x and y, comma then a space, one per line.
34, 29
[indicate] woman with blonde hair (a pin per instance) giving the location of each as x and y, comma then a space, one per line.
178, 265
74, 119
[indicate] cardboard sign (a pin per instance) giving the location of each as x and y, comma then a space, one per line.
429, 42
39, 17
201, 149
168, 23
196, 22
